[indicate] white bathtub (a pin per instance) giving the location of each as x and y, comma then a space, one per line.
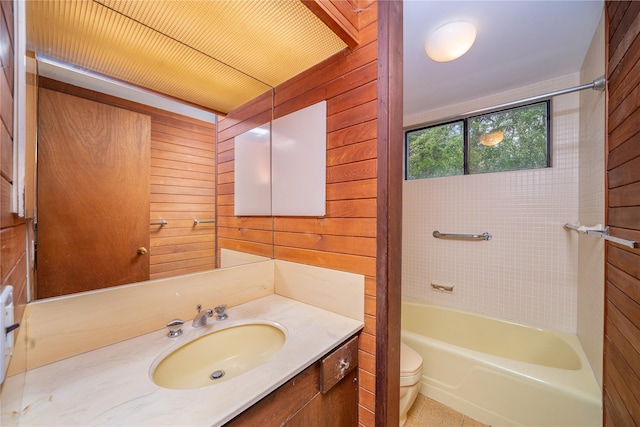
501, 373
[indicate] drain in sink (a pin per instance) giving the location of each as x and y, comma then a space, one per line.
216, 375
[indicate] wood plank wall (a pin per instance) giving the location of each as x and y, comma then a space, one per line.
182, 185
344, 239
622, 292
13, 259
250, 234
183, 181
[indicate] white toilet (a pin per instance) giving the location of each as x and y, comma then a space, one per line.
410, 376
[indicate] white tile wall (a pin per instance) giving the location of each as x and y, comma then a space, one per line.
528, 272
591, 207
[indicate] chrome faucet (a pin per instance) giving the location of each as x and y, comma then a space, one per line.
201, 317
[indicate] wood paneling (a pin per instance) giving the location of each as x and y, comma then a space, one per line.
7, 217
622, 292
6, 104
182, 189
13, 247
360, 232
244, 234
13, 258
6, 154
182, 186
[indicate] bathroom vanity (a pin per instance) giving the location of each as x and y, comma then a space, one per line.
313, 371
324, 394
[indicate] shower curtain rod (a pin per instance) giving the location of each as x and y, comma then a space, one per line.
598, 84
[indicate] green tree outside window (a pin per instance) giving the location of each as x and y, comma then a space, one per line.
436, 151
512, 139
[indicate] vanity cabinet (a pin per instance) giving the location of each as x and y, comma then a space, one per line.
324, 394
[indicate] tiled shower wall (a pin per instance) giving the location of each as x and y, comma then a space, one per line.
591, 207
527, 272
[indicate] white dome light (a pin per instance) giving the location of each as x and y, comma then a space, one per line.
450, 41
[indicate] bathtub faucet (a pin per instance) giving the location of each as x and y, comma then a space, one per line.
201, 317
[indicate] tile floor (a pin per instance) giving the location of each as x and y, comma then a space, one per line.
426, 412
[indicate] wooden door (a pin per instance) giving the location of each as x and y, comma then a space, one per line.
93, 195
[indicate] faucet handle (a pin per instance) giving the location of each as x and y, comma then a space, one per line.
175, 328
221, 312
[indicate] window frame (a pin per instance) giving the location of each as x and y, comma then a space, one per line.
465, 148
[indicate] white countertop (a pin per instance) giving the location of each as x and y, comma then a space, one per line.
113, 385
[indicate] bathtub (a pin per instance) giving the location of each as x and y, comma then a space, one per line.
501, 373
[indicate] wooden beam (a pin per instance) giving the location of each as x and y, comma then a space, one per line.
340, 16
388, 268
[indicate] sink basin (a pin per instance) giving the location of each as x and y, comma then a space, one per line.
218, 356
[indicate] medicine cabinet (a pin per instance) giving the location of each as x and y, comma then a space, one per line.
280, 168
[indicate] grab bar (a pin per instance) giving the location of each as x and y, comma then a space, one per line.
603, 233
197, 221
449, 236
161, 223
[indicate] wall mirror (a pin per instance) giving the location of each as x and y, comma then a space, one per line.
211, 62
131, 202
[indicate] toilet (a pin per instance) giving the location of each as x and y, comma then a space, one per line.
410, 376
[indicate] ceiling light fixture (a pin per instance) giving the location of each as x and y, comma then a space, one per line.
492, 138
450, 41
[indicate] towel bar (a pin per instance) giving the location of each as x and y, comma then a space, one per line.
203, 221
603, 233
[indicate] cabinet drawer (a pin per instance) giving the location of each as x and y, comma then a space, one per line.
338, 364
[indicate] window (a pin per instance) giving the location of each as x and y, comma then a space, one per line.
517, 138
